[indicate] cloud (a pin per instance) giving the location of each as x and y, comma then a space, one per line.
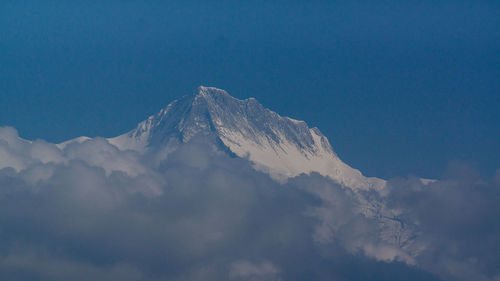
92, 212
247, 270
18, 154
458, 219
30, 264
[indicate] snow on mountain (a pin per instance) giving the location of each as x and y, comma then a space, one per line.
277, 145
280, 146
63, 145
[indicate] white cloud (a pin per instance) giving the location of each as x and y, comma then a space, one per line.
246, 270
91, 211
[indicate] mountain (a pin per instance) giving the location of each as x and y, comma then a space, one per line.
280, 146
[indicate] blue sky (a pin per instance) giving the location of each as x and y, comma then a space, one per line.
398, 88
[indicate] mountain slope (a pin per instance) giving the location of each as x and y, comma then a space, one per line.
280, 146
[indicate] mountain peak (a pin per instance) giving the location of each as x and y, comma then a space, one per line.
210, 97
209, 91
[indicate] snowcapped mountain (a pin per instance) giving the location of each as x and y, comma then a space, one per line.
280, 146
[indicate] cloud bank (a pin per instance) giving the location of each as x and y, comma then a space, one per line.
92, 212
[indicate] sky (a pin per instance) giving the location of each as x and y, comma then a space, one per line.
402, 89
399, 87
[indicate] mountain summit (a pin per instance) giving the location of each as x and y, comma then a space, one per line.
280, 146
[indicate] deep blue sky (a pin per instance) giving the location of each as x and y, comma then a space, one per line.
398, 88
